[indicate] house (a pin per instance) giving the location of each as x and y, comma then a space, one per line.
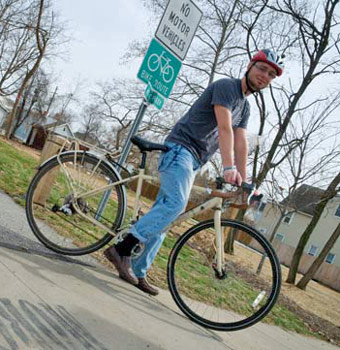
38, 133
5, 108
303, 202
23, 132
34, 129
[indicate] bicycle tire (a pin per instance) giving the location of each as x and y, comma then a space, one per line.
49, 190
223, 303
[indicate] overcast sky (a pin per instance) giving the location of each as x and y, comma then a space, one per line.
101, 31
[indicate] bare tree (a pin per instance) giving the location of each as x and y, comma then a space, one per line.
309, 157
328, 194
91, 122
45, 30
16, 43
317, 44
117, 105
35, 101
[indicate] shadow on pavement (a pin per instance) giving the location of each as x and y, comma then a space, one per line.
26, 324
109, 283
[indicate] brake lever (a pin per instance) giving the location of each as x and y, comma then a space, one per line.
249, 188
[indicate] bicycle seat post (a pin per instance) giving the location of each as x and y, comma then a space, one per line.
143, 162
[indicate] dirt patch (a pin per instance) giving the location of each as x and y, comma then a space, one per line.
325, 328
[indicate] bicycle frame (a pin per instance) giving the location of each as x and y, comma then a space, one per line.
215, 203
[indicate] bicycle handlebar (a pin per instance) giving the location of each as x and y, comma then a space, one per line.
245, 185
239, 195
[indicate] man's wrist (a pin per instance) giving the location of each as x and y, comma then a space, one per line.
232, 167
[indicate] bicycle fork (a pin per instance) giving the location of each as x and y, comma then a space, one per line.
220, 273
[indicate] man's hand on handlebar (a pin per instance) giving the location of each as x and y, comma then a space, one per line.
233, 177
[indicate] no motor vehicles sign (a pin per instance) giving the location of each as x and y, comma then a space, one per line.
178, 26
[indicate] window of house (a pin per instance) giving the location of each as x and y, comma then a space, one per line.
288, 218
337, 213
330, 258
312, 250
280, 236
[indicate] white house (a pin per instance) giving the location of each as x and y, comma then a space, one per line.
294, 224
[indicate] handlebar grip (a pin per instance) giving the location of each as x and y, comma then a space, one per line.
256, 198
245, 185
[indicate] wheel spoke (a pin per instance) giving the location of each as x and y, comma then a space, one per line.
69, 228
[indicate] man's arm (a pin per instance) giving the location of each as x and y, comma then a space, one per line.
226, 143
241, 151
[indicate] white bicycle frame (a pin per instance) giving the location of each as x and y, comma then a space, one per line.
215, 203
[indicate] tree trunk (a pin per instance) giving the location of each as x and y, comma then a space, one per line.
10, 127
117, 143
319, 260
271, 238
20, 113
328, 194
236, 214
21, 118
29, 75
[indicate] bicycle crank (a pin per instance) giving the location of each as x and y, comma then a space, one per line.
68, 206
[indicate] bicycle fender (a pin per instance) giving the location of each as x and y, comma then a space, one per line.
88, 153
93, 155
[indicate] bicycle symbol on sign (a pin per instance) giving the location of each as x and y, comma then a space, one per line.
161, 62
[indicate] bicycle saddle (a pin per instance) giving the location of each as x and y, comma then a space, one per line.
148, 146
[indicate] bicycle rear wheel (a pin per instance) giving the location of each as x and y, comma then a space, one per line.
52, 196
239, 297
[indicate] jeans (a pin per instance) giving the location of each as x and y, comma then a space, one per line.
177, 170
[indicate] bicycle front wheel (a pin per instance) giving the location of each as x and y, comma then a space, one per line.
234, 299
55, 191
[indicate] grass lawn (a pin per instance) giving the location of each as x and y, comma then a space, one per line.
16, 171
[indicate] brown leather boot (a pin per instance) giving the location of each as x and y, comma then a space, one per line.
122, 265
144, 285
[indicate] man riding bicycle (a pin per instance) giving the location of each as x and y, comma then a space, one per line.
218, 119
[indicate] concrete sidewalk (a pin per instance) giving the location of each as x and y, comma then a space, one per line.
52, 302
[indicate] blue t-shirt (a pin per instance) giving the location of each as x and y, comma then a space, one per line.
197, 129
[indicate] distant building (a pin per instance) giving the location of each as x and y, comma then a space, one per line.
303, 202
34, 129
38, 133
6, 105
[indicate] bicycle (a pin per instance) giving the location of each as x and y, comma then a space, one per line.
217, 290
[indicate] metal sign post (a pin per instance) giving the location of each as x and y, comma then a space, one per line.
133, 130
160, 67
125, 153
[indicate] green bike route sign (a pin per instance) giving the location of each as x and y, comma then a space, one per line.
159, 68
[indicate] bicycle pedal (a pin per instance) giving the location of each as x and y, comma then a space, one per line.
55, 208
